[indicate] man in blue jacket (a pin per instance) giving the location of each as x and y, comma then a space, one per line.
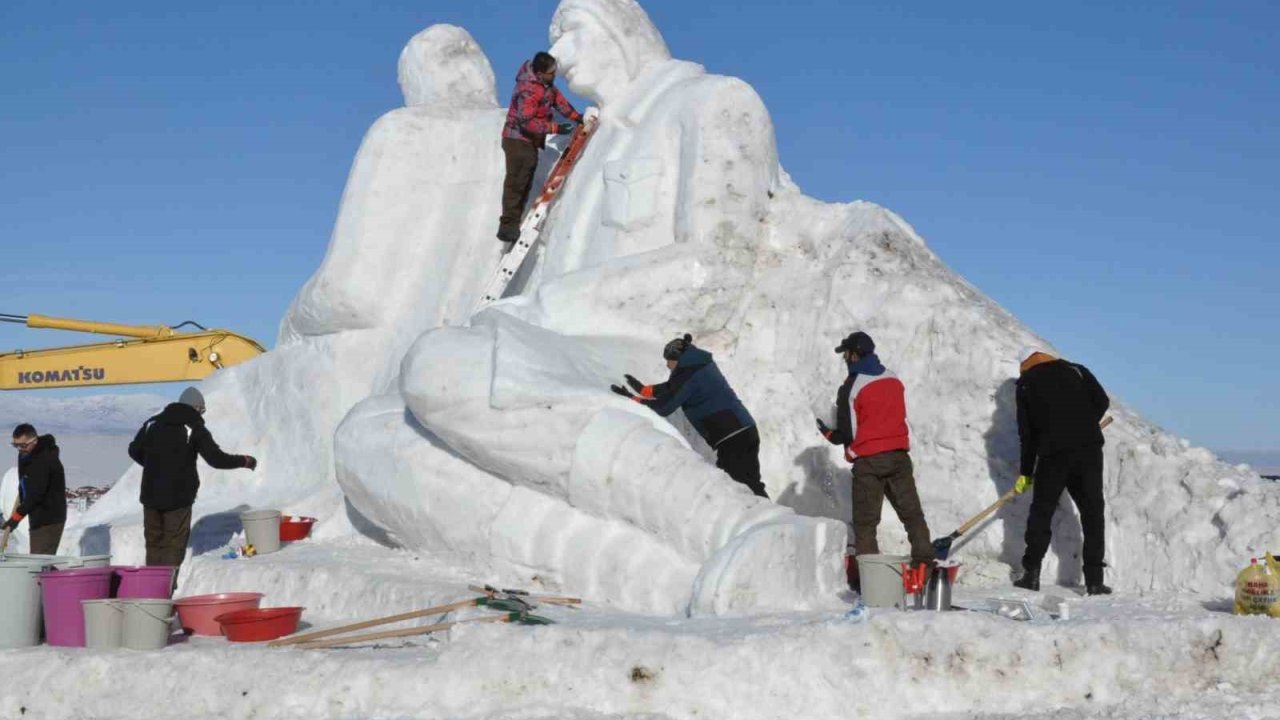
697, 387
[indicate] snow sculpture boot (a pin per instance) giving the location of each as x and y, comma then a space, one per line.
1030, 580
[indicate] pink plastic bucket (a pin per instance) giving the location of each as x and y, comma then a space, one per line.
144, 581
198, 612
62, 591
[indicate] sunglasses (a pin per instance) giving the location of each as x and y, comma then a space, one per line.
21, 445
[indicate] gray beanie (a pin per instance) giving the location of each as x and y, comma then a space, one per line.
192, 397
676, 348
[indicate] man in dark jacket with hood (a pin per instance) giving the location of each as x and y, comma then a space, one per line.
1060, 406
529, 122
697, 387
166, 447
42, 490
871, 424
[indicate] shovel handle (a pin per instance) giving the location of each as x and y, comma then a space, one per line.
983, 515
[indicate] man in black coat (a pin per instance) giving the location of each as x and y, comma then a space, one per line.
42, 490
1060, 406
166, 447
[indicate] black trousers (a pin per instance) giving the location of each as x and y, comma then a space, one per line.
1079, 472
740, 457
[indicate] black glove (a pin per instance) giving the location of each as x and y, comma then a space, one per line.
622, 391
11, 524
822, 427
250, 462
634, 383
564, 128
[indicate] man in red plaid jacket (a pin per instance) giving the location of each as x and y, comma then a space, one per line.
529, 122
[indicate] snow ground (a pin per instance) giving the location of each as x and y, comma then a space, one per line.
1131, 656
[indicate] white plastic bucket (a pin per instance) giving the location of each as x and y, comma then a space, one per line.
103, 623
64, 562
262, 530
21, 613
147, 623
881, 578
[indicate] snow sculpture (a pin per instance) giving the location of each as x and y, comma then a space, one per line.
678, 218
494, 437
681, 160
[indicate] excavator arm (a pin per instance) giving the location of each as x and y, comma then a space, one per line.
150, 354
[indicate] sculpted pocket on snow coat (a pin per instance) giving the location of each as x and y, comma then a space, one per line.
631, 192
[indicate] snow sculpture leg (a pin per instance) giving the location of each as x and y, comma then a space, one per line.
526, 404
502, 531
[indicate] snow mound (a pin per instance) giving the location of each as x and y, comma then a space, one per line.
392, 407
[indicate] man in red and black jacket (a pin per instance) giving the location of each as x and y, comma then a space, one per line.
42, 490
530, 120
871, 424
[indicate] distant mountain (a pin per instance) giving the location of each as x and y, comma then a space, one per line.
88, 415
1265, 462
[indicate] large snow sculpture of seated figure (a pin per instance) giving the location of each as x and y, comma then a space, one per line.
669, 198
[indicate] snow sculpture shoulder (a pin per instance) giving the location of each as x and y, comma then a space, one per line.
418, 180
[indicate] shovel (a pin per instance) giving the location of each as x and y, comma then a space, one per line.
942, 546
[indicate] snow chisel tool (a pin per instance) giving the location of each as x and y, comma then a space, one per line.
531, 227
942, 546
499, 604
521, 616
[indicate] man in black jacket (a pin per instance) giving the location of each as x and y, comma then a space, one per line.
1060, 405
166, 447
42, 490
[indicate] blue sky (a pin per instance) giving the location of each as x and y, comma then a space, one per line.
1109, 174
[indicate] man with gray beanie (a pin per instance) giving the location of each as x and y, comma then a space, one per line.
697, 387
166, 447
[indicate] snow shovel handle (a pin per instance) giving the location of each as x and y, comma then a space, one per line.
983, 515
342, 629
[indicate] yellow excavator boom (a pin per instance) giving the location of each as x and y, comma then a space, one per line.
154, 354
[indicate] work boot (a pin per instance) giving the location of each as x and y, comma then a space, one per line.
508, 235
1030, 580
1099, 589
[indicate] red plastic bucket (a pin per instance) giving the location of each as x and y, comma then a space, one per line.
62, 591
259, 625
295, 528
199, 613
144, 582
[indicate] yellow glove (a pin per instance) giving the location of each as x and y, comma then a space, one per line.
1024, 482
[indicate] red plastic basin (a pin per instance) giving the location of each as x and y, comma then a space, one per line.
261, 624
295, 528
199, 613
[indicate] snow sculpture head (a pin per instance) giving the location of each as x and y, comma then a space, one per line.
445, 64
603, 45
